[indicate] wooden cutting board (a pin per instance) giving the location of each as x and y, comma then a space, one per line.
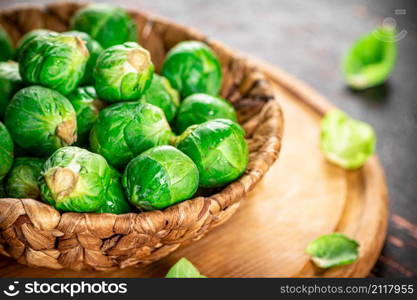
299, 199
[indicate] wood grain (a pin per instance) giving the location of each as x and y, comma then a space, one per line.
300, 198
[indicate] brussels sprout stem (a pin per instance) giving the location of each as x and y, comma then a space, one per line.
173, 140
81, 45
97, 105
66, 132
137, 60
33, 192
63, 182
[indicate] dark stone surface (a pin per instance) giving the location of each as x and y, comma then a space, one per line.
308, 39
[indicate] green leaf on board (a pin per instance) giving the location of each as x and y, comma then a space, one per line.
346, 142
184, 269
333, 250
371, 59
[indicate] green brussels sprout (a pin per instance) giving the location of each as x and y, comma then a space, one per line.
199, 108
87, 107
22, 180
161, 94
74, 179
6, 46
10, 82
55, 61
6, 151
123, 72
192, 67
218, 148
346, 142
28, 37
107, 24
115, 202
124, 130
160, 177
41, 120
94, 49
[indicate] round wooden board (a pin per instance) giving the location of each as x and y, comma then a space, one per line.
299, 199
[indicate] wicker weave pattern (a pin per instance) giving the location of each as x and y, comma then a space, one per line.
36, 234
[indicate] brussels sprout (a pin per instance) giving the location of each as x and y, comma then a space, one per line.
94, 49
6, 46
6, 151
22, 180
218, 148
55, 61
160, 177
345, 141
161, 94
123, 72
74, 179
28, 37
199, 108
10, 82
87, 106
192, 67
115, 202
125, 130
107, 24
41, 120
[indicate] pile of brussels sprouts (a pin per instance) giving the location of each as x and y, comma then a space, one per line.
88, 127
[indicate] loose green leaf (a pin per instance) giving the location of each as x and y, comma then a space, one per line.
345, 141
333, 250
371, 59
184, 269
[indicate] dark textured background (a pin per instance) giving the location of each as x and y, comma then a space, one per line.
308, 38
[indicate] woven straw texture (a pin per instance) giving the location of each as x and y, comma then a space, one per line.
36, 234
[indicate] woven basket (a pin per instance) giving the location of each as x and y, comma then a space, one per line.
36, 234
